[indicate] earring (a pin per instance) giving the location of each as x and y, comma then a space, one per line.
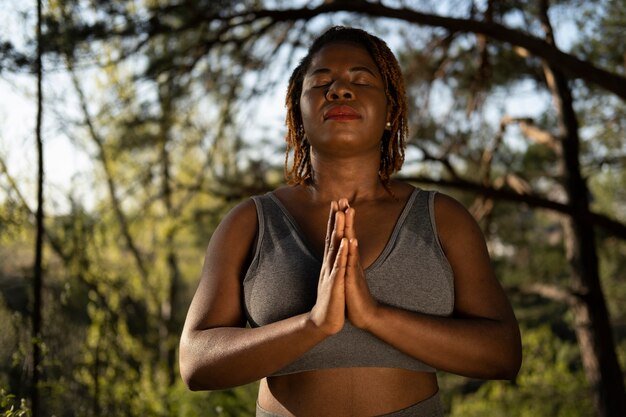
388, 126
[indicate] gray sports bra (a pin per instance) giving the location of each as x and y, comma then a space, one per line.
411, 273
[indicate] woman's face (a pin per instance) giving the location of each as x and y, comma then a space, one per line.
343, 102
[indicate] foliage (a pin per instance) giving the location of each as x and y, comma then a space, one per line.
551, 383
8, 407
163, 96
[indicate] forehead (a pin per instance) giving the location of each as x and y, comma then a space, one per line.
339, 54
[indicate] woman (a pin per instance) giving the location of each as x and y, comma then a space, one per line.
351, 311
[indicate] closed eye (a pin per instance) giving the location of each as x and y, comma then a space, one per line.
363, 78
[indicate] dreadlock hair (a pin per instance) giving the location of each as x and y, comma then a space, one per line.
393, 141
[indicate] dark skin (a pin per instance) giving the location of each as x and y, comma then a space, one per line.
481, 339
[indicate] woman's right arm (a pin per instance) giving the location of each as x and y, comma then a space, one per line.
216, 350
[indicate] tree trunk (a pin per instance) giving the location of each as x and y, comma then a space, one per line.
167, 328
591, 317
38, 267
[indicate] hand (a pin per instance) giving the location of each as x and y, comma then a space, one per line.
361, 306
328, 313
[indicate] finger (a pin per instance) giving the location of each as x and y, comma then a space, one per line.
335, 237
349, 231
353, 260
338, 229
341, 260
330, 226
343, 204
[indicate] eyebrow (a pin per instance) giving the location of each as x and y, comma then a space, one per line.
353, 69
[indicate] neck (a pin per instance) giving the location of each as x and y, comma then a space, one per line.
354, 178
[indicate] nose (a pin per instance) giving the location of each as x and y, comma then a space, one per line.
339, 90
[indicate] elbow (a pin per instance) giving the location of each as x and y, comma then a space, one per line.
509, 363
508, 371
190, 379
190, 370
501, 361
195, 386
199, 375
504, 368
509, 359
195, 378
514, 364
197, 381
515, 356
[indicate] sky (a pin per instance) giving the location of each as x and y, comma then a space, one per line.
66, 165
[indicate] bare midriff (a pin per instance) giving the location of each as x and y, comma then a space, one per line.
346, 391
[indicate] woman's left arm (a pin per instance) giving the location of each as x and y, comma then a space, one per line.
480, 340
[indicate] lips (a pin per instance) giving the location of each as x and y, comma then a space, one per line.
341, 112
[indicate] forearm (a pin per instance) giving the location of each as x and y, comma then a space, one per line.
224, 357
473, 347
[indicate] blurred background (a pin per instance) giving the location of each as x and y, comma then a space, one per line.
129, 128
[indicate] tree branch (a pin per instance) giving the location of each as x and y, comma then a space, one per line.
569, 64
548, 291
611, 227
532, 132
117, 207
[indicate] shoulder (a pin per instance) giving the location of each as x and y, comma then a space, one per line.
448, 209
238, 228
243, 215
454, 222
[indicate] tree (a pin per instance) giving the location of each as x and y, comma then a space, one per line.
38, 265
231, 52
